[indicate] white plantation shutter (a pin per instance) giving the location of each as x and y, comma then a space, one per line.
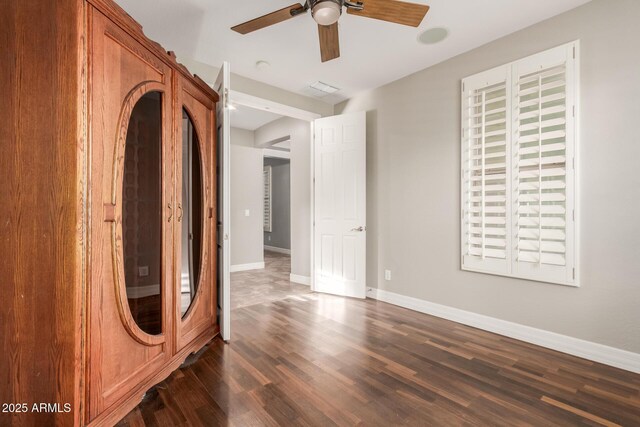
267, 201
518, 173
485, 154
543, 177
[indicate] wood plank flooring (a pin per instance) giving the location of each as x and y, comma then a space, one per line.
320, 360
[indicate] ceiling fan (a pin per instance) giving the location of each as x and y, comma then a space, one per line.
327, 12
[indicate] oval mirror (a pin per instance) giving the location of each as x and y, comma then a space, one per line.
191, 214
142, 213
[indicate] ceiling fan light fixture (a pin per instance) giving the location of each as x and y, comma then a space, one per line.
326, 12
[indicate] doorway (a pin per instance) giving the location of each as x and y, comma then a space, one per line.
270, 205
331, 253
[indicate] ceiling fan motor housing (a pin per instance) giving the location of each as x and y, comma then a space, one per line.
326, 12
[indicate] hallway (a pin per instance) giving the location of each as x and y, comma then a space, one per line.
267, 285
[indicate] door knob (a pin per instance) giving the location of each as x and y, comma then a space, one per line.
361, 228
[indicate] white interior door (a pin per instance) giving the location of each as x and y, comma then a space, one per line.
340, 236
224, 201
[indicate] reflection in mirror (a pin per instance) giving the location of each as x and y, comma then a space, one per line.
142, 213
191, 214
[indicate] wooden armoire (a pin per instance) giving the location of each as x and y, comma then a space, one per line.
108, 263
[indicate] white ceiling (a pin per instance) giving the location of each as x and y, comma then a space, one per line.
250, 118
373, 52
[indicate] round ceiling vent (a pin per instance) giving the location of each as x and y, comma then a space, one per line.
262, 65
433, 35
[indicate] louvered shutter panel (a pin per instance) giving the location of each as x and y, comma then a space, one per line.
267, 203
542, 163
518, 168
484, 171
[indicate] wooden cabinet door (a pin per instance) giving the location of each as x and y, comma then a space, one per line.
130, 292
194, 231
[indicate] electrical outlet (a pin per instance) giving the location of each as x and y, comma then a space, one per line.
143, 271
268, 238
387, 275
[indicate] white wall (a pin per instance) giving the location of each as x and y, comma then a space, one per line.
300, 132
413, 178
246, 193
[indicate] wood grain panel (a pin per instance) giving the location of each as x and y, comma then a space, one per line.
323, 360
121, 355
201, 315
128, 25
41, 151
395, 11
269, 19
329, 42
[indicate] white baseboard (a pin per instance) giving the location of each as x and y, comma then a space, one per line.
586, 349
278, 250
143, 291
245, 267
303, 280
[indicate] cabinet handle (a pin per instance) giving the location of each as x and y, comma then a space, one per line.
170, 212
180, 212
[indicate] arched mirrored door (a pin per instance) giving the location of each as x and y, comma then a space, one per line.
190, 214
142, 213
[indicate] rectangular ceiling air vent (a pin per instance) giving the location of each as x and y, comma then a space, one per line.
319, 89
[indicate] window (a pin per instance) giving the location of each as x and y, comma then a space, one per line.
266, 175
518, 168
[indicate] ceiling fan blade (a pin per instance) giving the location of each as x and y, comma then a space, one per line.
270, 19
395, 11
329, 42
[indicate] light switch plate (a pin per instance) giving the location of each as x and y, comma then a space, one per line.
143, 271
246, 212
387, 275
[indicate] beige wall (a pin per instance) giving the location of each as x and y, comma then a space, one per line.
300, 132
246, 193
413, 178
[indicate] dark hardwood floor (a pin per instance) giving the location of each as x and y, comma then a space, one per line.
319, 360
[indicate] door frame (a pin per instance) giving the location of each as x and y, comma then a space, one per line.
246, 100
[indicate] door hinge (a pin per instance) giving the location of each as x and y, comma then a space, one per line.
574, 273
574, 52
574, 111
574, 214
